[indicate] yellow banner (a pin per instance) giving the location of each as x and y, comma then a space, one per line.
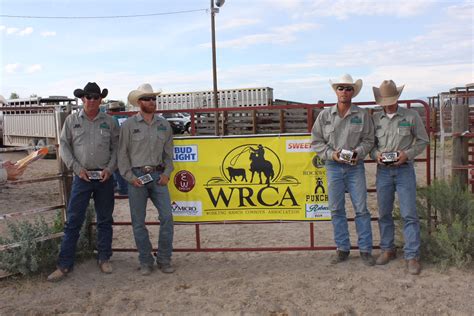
248, 179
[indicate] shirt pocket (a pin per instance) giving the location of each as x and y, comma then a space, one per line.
354, 134
404, 133
79, 136
328, 132
104, 140
136, 137
158, 140
380, 136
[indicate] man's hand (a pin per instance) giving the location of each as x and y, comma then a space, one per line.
84, 175
402, 158
379, 159
335, 156
354, 159
163, 179
105, 174
137, 183
13, 171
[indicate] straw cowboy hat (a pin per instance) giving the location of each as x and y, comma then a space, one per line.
388, 93
346, 80
3, 101
144, 90
90, 88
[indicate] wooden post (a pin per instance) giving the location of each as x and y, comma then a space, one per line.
254, 121
460, 124
65, 183
282, 121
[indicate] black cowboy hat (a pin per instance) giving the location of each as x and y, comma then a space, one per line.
90, 88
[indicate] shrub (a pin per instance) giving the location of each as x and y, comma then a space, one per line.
451, 241
32, 256
29, 256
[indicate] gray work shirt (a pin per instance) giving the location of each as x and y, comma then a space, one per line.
89, 144
331, 132
142, 144
405, 131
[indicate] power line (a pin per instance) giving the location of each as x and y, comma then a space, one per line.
99, 17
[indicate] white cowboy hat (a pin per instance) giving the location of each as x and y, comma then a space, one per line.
346, 80
3, 101
388, 93
144, 90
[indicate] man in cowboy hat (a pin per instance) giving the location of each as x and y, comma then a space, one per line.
399, 137
145, 160
343, 135
114, 107
88, 146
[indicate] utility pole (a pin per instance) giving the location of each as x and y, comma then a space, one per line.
214, 63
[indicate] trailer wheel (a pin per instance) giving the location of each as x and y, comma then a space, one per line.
32, 142
43, 143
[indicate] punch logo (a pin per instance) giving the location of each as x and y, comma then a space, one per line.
298, 146
185, 153
186, 208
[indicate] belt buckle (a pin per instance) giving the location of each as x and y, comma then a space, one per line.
147, 169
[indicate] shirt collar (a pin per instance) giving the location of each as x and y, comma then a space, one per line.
352, 109
400, 112
98, 116
140, 118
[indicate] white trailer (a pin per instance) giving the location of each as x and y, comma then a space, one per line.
260, 96
32, 121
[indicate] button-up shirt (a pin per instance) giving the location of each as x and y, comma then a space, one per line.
145, 144
404, 131
331, 132
89, 144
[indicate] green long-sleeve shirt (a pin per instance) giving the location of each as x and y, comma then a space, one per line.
89, 144
142, 144
404, 131
331, 132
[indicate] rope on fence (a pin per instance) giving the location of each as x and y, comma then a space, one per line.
33, 211
23, 148
18, 244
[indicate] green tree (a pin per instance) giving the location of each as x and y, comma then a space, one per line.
14, 95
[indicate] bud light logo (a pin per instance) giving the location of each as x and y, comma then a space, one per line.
185, 153
186, 208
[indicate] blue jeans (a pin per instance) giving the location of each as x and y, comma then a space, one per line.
81, 193
401, 179
160, 197
341, 178
121, 183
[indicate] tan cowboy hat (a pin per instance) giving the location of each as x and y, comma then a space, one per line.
144, 90
346, 80
388, 93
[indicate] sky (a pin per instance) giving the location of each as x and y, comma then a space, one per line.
292, 46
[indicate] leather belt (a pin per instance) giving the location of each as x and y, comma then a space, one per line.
150, 169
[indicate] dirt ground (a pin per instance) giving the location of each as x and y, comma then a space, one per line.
230, 283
